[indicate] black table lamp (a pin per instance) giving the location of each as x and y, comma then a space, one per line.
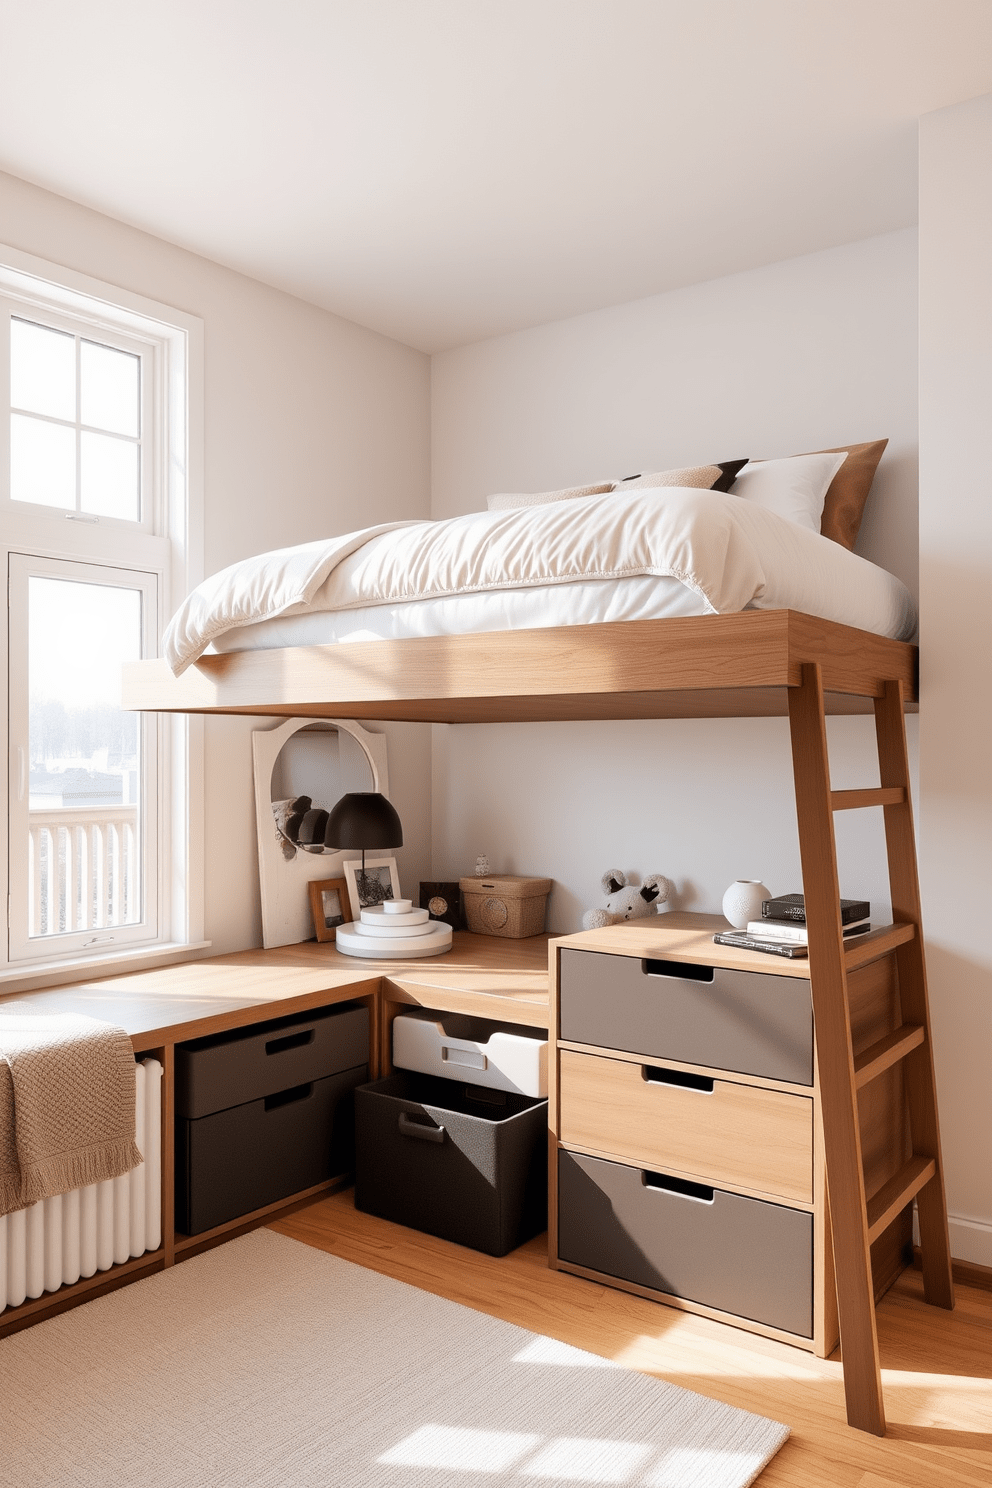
363, 819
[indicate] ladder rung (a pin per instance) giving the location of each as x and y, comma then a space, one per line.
897, 1193
860, 949
853, 800
887, 1052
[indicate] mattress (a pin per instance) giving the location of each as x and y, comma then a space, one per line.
650, 554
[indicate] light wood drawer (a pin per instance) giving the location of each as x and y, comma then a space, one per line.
743, 1135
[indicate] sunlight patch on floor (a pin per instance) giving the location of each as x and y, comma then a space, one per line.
569, 1459
651, 1356
588, 1460
464, 1448
946, 1400
551, 1351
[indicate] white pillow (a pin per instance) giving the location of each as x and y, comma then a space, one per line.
794, 488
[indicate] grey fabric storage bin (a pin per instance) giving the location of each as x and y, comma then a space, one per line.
227, 1069
462, 1162
744, 1256
749, 1021
235, 1161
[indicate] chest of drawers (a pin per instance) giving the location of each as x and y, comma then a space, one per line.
686, 1154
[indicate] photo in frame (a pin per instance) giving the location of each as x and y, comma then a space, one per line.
330, 905
380, 881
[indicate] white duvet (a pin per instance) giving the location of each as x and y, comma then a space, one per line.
716, 553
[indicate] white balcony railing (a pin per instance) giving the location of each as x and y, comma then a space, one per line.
83, 868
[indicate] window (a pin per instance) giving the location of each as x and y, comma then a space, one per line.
99, 498
76, 421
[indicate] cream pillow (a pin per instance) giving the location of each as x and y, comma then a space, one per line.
700, 477
794, 488
507, 500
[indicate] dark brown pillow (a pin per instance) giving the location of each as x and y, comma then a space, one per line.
844, 503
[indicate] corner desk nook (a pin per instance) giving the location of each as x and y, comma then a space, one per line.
685, 1135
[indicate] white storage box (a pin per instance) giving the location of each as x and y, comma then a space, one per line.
473, 1050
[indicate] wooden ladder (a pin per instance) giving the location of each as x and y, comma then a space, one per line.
855, 1224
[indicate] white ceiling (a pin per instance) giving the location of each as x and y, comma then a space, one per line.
444, 170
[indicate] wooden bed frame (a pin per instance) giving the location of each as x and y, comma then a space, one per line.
753, 664
710, 666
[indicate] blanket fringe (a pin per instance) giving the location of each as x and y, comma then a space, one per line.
62, 1173
10, 1193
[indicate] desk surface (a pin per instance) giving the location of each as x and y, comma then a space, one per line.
506, 979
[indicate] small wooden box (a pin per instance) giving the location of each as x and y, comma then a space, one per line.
505, 904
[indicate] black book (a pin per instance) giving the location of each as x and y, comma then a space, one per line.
793, 907
745, 942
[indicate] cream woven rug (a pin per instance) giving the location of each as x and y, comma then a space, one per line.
268, 1364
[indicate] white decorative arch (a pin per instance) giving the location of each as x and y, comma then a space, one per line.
286, 918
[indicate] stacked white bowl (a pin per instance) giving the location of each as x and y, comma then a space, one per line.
394, 930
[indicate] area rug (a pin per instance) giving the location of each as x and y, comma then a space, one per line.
268, 1364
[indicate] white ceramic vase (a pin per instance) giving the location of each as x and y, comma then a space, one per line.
742, 901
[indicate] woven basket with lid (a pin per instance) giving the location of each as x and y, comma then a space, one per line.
505, 904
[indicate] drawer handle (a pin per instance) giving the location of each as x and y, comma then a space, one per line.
290, 1041
655, 1075
411, 1128
289, 1097
464, 1055
683, 1188
683, 971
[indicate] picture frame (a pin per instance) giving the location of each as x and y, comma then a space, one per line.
330, 906
383, 881
443, 902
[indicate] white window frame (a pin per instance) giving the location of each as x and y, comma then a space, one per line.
153, 516
168, 542
22, 946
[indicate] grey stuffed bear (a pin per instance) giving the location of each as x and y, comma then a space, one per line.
626, 901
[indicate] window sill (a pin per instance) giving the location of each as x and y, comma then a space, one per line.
41, 975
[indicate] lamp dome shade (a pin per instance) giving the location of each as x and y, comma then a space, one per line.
363, 819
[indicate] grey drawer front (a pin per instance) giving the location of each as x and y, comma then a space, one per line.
745, 1021
241, 1159
245, 1064
743, 1256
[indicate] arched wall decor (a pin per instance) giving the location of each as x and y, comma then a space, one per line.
315, 758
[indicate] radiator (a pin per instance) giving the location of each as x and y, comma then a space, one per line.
59, 1241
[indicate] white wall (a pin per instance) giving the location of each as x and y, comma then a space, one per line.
312, 426
956, 656
811, 352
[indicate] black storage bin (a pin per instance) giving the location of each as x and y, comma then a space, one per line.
264, 1112
460, 1161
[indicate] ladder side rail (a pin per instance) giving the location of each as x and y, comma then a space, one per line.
835, 1060
919, 1073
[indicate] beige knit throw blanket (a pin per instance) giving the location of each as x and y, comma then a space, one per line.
66, 1105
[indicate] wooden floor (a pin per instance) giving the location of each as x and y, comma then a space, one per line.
936, 1366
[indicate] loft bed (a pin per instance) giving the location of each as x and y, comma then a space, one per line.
731, 636
707, 666
753, 664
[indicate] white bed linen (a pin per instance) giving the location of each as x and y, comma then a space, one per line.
728, 554
583, 603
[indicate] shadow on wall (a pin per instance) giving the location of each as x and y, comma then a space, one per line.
702, 801
961, 1017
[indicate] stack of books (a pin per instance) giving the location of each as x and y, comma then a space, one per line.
782, 927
